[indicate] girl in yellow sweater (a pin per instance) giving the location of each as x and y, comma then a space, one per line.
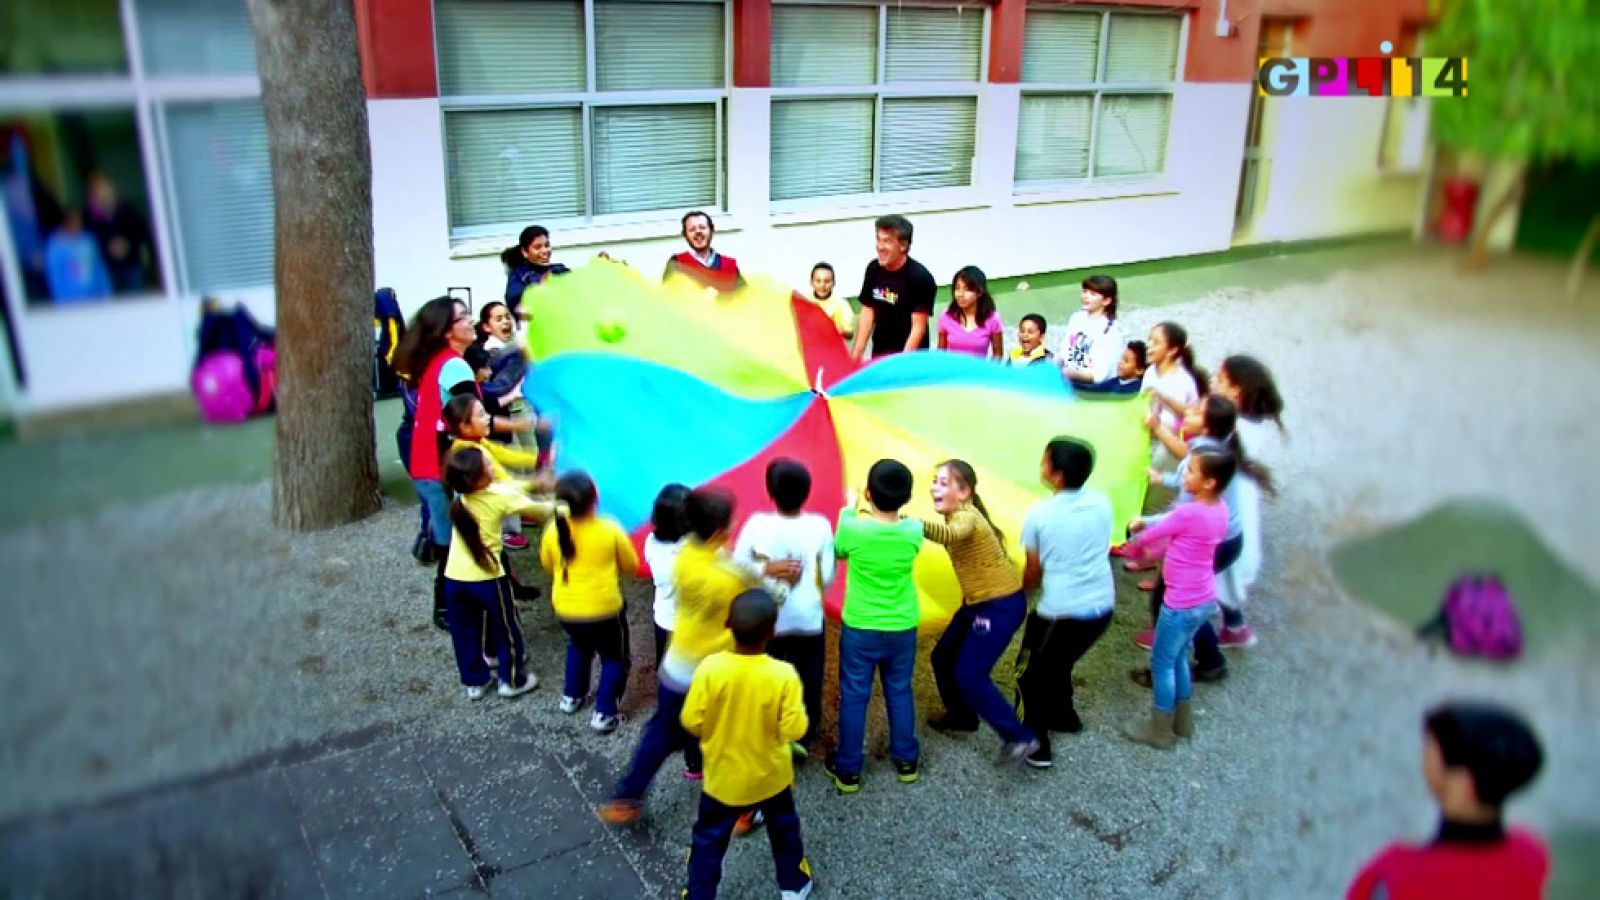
993, 607
586, 555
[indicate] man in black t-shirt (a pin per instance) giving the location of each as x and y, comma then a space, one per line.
896, 295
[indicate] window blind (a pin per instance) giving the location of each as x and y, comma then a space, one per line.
515, 165
1132, 135
1053, 138
199, 37
1142, 48
1061, 47
510, 46
926, 142
654, 157
824, 45
222, 192
933, 44
641, 46
821, 147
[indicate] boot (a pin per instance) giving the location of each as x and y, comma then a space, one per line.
1183, 720
1155, 731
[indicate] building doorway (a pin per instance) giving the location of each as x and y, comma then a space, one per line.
1260, 135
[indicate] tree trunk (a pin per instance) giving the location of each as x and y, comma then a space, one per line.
325, 468
1478, 251
1580, 260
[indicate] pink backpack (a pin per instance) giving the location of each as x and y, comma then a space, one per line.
1479, 619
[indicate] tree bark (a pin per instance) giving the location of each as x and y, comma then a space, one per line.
1478, 250
1580, 259
325, 469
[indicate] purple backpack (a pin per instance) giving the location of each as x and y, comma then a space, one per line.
1479, 619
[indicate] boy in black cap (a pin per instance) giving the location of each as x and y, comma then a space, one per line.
1474, 757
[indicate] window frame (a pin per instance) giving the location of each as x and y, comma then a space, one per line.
880, 90
146, 96
586, 101
1104, 185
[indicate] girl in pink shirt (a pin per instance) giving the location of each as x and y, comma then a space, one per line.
1194, 530
970, 324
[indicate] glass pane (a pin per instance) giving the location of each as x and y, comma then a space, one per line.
76, 202
1142, 48
196, 37
654, 157
1132, 139
46, 37
934, 44
510, 46
824, 45
222, 185
840, 162
514, 166
1053, 138
927, 143
658, 46
1061, 47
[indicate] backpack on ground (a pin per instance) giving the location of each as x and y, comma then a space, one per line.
1478, 618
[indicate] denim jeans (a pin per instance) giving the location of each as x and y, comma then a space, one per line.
433, 495
964, 659
893, 655
713, 829
1169, 655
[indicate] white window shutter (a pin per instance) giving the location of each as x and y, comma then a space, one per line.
1061, 47
1142, 48
1132, 136
509, 47
1053, 138
196, 37
927, 142
642, 46
944, 44
654, 157
515, 165
824, 45
222, 188
821, 147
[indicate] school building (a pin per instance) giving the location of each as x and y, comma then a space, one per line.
1018, 136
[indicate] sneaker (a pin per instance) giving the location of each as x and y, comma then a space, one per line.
520, 591
1068, 724
1120, 551
845, 782
1039, 759
1018, 750
1237, 638
908, 772
749, 822
692, 774
801, 894
439, 620
604, 724
1145, 639
1209, 676
477, 691
799, 751
529, 683
570, 705
1147, 585
948, 725
514, 541
617, 813
1141, 677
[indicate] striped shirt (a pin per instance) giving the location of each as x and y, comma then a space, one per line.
982, 567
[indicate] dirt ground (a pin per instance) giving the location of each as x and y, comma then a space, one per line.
155, 639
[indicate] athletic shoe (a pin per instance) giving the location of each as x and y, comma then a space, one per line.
439, 621
908, 772
692, 774
476, 691
604, 724
748, 822
1039, 759
1237, 638
491, 662
1145, 639
1120, 551
529, 683
617, 813
1141, 677
799, 751
948, 725
520, 591
514, 541
1069, 724
1147, 585
570, 705
1210, 676
801, 894
1018, 750
845, 782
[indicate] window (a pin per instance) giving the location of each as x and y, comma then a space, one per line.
196, 37
222, 193
873, 99
580, 109
1097, 96
56, 37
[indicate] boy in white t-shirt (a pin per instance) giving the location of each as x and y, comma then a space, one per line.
793, 534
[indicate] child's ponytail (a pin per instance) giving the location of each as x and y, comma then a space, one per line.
963, 472
464, 472
576, 495
1221, 418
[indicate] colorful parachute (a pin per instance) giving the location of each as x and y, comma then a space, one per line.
654, 383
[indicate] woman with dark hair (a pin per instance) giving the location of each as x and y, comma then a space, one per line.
528, 264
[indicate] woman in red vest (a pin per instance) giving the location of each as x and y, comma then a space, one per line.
429, 359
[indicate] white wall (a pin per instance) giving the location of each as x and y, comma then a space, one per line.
1325, 180
1189, 210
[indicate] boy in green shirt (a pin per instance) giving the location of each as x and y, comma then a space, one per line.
879, 632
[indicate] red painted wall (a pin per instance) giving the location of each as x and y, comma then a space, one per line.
396, 41
752, 43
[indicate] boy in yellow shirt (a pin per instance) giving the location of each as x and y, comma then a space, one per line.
837, 308
746, 709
